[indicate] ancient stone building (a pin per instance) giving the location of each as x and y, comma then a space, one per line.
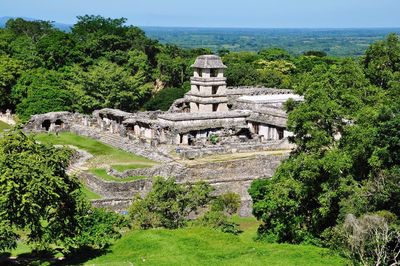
211, 119
210, 114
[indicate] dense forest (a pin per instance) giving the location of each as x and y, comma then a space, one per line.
339, 187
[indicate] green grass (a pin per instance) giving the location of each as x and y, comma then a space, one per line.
124, 167
103, 154
204, 246
90, 195
201, 246
4, 126
102, 173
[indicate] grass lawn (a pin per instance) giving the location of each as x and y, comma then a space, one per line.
204, 246
124, 167
200, 246
102, 173
4, 126
103, 154
90, 195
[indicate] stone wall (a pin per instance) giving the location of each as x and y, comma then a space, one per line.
115, 204
198, 152
227, 176
163, 170
109, 189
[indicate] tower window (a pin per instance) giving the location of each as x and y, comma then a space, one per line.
215, 107
200, 71
214, 89
280, 133
214, 73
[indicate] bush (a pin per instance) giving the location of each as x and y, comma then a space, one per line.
218, 220
227, 203
165, 98
96, 228
169, 204
372, 239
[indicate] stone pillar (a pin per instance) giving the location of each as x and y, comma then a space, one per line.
136, 129
185, 139
178, 139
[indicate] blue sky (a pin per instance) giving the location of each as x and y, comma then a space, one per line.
218, 13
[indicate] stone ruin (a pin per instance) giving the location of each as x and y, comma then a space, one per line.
211, 119
209, 115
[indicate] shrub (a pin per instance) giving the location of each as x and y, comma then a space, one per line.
372, 239
165, 98
218, 220
227, 203
169, 204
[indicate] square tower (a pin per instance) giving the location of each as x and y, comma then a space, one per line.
208, 85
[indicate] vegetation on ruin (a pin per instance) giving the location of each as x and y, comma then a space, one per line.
90, 195
103, 153
3, 126
102, 173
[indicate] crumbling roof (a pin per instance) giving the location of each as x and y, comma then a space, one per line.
113, 112
50, 116
202, 116
268, 119
208, 61
271, 98
232, 91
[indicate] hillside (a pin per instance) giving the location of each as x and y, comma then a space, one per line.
204, 246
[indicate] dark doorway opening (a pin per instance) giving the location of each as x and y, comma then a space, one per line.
280, 133
46, 124
59, 123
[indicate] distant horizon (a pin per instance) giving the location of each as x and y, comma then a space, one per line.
214, 27
253, 14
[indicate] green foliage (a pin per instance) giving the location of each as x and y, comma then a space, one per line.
40, 91
40, 200
214, 139
219, 213
341, 182
207, 246
371, 239
315, 53
10, 70
168, 204
36, 192
32, 29
96, 228
274, 54
165, 98
276, 74
338, 165
106, 84
227, 203
382, 60
218, 220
